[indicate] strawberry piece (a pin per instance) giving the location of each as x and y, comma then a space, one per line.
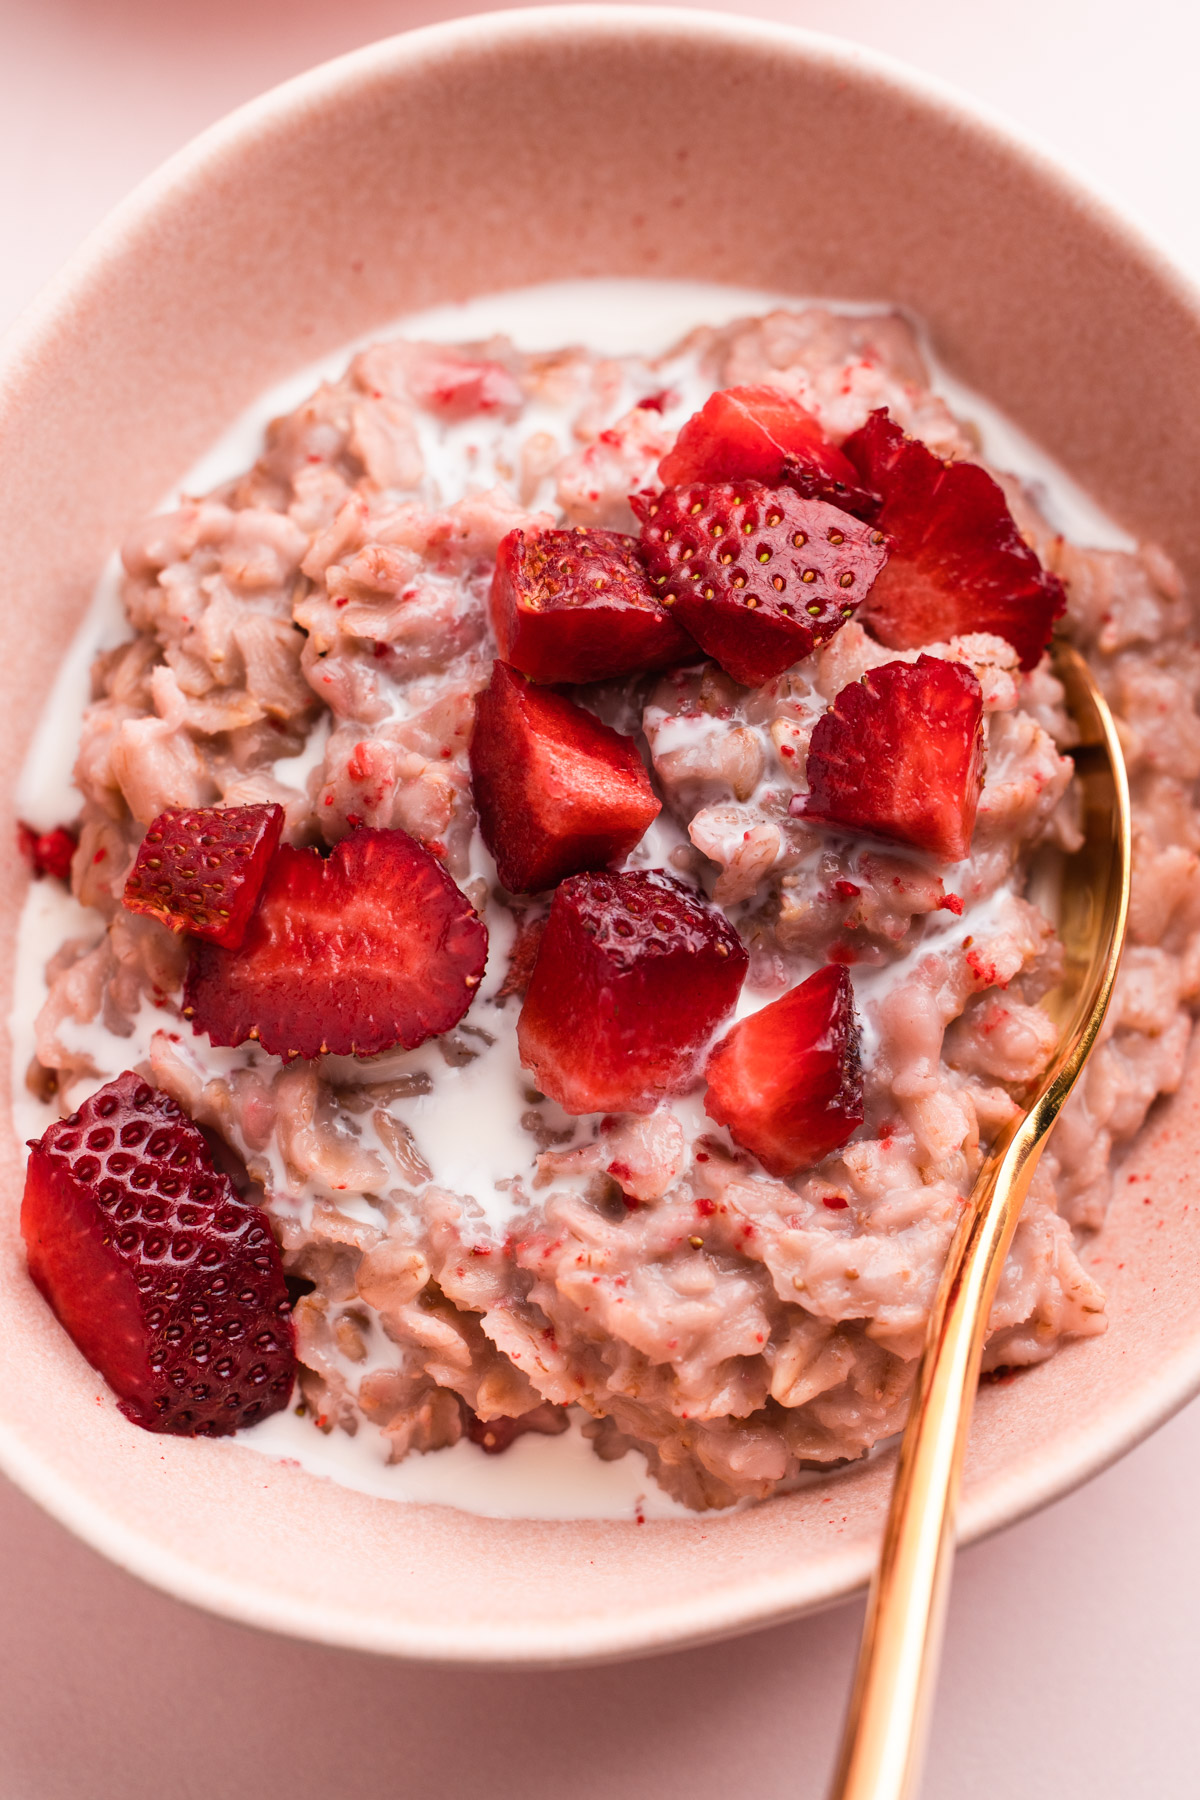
351, 954
47, 852
168, 1283
634, 974
900, 755
759, 434
787, 1081
958, 563
200, 870
577, 606
758, 576
556, 791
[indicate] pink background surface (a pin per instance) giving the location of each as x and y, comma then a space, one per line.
1073, 1647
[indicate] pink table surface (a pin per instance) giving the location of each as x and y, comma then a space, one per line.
1073, 1651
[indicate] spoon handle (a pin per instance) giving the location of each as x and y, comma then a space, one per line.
884, 1735
883, 1738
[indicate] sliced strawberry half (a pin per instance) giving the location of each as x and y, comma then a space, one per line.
759, 434
200, 870
900, 755
577, 606
787, 1081
958, 563
556, 791
634, 974
168, 1283
758, 576
351, 954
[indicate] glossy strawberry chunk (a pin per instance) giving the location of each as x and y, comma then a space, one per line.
958, 563
634, 974
351, 954
900, 755
200, 869
577, 606
787, 1081
760, 434
556, 791
758, 576
168, 1283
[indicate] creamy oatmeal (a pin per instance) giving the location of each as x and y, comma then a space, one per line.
467, 1255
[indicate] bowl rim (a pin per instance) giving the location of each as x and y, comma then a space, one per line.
763, 1600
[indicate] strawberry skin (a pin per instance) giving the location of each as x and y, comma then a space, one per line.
200, 870
958, 563
759, 434
348, 954
576, 606
556, 791
758, 576
168, 1283
900, 755
634, 974
787, 1081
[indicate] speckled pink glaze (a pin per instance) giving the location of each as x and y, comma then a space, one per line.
466, 158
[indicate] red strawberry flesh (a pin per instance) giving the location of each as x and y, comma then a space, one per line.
557, 792
576, 606
758, 576
761, 434
200, 870
900, 755
787, 1081
352, 954
48, 852
168, 1283
634, 974
958, 564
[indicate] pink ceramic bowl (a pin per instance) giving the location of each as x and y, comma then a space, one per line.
495, 152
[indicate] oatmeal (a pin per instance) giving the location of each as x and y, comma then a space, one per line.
686, 1172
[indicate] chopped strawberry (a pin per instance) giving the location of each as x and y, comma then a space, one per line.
201, 870
556, 791
168, 1283
47, 852
577, 606
900, 755
787, 1081
351, 954
758, 576
635, 973
958, 563
760, 434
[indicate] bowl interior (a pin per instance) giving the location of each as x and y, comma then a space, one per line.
464, 159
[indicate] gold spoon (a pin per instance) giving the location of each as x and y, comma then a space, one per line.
883, 1738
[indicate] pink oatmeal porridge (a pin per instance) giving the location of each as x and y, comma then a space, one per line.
703, 1196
